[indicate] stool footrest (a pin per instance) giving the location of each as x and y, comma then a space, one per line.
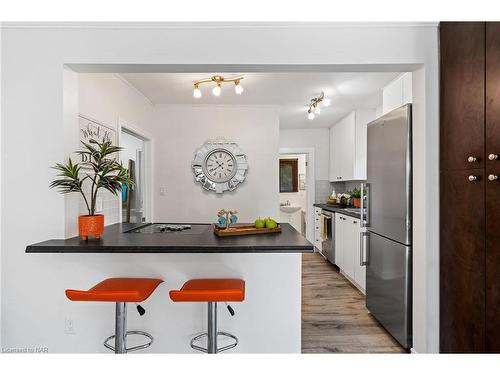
205, 350
133, 348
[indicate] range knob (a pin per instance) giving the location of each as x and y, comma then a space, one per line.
472, 178
471, 159
493, 156
492, 177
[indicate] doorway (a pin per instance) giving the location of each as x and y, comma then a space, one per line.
134, 156
297, 189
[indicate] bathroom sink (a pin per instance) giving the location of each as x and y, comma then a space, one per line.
290, 209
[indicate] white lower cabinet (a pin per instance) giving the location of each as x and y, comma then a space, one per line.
317, 233
347, 250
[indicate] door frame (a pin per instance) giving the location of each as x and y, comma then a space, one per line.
148, 165
310, 184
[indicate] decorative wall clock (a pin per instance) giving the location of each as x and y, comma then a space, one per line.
219, 165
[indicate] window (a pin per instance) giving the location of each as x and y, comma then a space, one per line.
289, 175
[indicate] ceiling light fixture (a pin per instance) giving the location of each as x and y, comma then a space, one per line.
196, 92
218, 80
316, 104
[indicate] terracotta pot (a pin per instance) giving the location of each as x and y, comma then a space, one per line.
90, 225
356, 202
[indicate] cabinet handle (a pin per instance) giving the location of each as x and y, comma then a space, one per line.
473, 178
493, 156
492, 177
471, 159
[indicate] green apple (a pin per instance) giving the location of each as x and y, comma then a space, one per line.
271, 223
260, 223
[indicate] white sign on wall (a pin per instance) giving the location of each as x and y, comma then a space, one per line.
92, 129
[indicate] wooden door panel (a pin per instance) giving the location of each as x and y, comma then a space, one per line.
462, 257
462, 54
493, 92
493, 263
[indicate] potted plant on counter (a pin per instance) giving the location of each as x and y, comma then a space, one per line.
356, 197
98, 170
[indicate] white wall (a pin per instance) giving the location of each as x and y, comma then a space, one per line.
32, 61
181, 129
106, 98
310, 138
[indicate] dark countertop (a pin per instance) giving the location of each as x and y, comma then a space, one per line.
199, 239
339, 210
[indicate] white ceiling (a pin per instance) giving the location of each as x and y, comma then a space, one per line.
291, 91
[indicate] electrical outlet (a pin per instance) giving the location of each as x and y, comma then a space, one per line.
69, 326
98, 204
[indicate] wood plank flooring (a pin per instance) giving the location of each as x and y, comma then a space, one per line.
334, 316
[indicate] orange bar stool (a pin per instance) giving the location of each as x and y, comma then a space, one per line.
211, 291
120, 291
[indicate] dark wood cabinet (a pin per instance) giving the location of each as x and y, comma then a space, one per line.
462, 86
493, 93
493, 187
462, 261
493, 263
470, 191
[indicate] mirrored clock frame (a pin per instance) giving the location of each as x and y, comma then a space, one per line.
222, 183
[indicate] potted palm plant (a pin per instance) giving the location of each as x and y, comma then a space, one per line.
98, 170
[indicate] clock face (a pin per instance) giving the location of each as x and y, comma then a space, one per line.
220, 165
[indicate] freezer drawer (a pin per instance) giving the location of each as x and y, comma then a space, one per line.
388, 286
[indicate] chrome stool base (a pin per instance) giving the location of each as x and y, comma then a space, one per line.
218, 350
212, 334
121, 333
134, 348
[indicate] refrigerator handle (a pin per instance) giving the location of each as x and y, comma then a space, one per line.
365, 203
362, 261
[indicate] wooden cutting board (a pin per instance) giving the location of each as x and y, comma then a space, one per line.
243, 230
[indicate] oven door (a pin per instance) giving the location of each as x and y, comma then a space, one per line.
327, 235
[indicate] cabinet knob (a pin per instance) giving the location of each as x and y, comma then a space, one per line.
472, 178
492, 177
471, 159
493, 156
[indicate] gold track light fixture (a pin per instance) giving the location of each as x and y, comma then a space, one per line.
316, 104
218, 80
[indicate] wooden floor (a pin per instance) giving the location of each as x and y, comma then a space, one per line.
334, 316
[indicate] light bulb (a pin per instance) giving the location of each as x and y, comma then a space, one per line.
326, 102
310, 115
238, 89
196, 93
317, 110
216, 90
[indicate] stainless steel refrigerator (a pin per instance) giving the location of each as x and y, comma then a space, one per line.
388, 221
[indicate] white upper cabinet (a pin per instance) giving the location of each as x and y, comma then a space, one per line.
348, 146
397, 93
